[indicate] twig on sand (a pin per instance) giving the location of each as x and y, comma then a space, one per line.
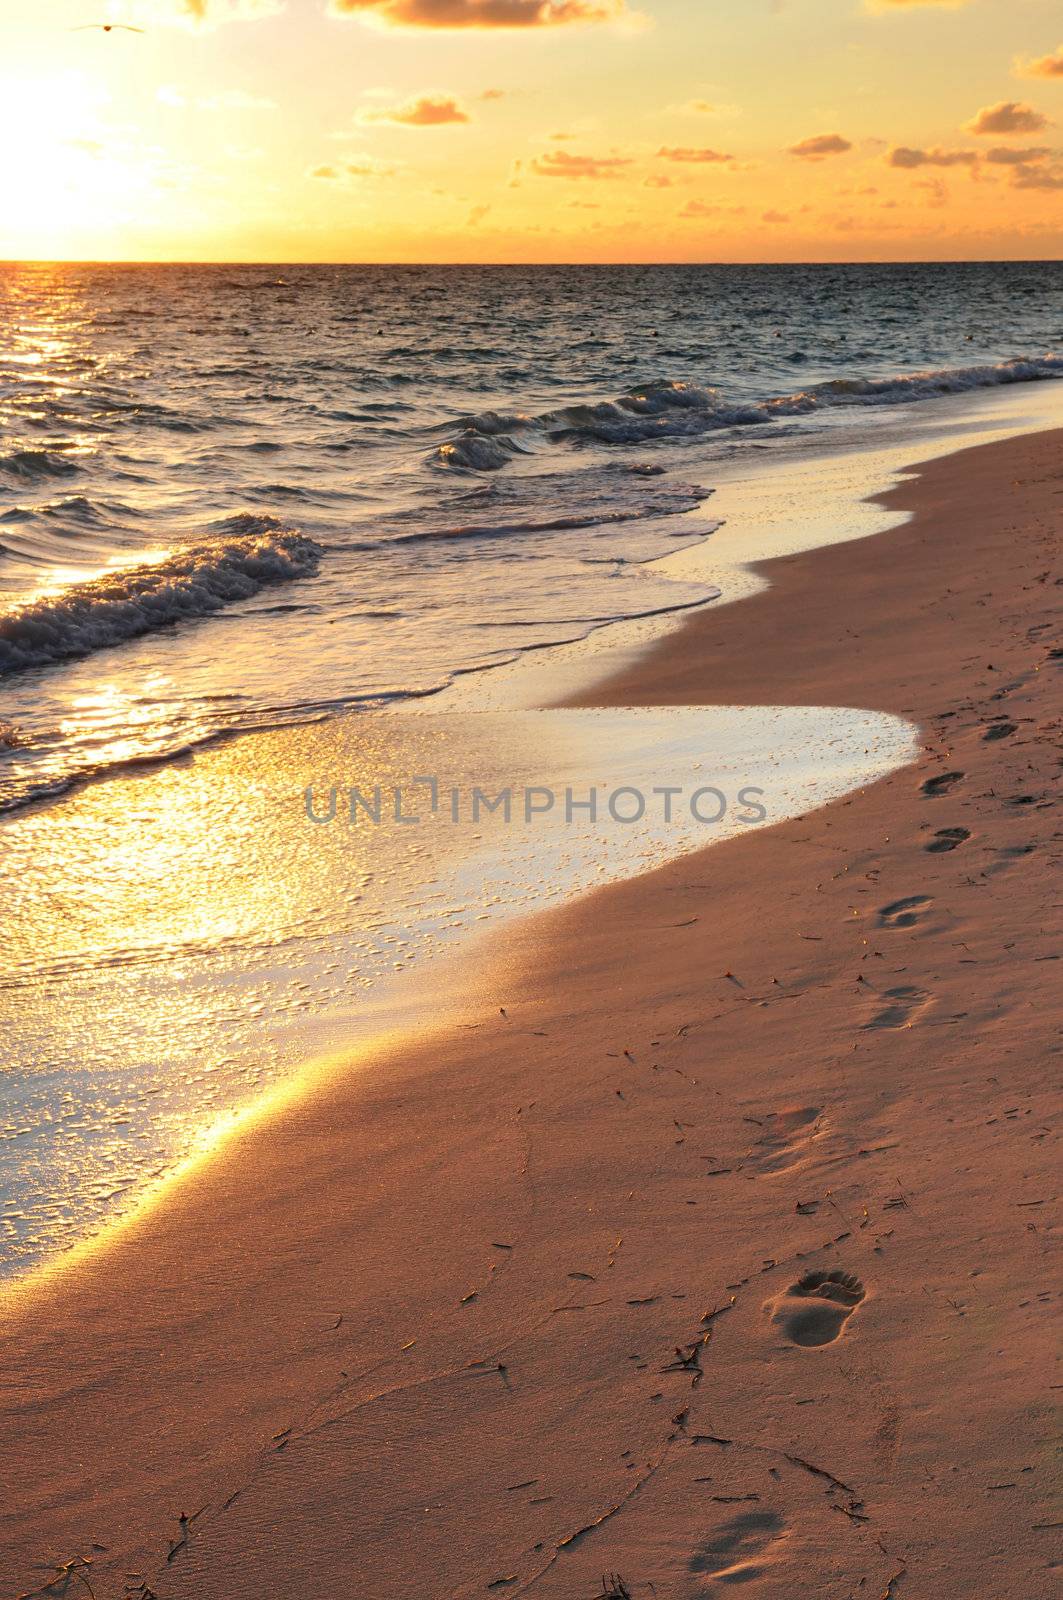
819, 1472
718, 1311
902, 1568
185, 1521
69, 1569
689, 1360
613, 1587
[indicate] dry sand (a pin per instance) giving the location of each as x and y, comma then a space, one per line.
723, 1257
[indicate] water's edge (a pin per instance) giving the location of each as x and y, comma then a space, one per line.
573, 668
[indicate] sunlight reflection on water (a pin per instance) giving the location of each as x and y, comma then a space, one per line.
176, 943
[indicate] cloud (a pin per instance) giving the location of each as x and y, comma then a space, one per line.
704, 208
427, 111
476, 216
480, 13
935, 189
358, 166
214, 13
560, 164
820, 145
684, 153
775, 216
1042, 67
903, 156
698, 107
1002, 156
1025, 177
1007, 116
493, 94
657, 180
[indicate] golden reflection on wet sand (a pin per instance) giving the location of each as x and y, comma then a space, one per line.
177, 941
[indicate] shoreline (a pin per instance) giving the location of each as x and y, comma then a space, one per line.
224, 1365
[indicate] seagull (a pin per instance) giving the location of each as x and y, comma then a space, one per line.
106, 27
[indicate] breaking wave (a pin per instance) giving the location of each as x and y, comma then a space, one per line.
130, 601
668, 409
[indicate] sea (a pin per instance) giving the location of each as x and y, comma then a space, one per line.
268, 533
236, 497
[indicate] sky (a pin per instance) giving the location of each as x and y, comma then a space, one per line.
531, 130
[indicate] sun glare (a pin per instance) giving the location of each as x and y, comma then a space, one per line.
67, 176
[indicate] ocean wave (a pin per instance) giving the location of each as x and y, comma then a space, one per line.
32, 466
666, 408
942, 381
495, 422
479, 452
674, 501
78, 508
913, 386
193, 581
663, 407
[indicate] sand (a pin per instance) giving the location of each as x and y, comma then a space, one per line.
712, 1249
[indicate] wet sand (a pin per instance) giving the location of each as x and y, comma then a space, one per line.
712, 1247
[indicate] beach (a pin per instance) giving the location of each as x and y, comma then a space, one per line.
706, 1238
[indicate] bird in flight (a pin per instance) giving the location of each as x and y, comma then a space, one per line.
106, 27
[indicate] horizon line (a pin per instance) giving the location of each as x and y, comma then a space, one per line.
222, 261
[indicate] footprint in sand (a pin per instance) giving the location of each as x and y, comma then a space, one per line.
904, 913
1008, 856
900, 1007
816, 1308
942, 783
947, 839
785, 1136
739, 1552
998, 730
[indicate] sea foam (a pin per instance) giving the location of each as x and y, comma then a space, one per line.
665, 408
192, 581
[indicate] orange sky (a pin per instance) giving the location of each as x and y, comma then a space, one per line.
531, 130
